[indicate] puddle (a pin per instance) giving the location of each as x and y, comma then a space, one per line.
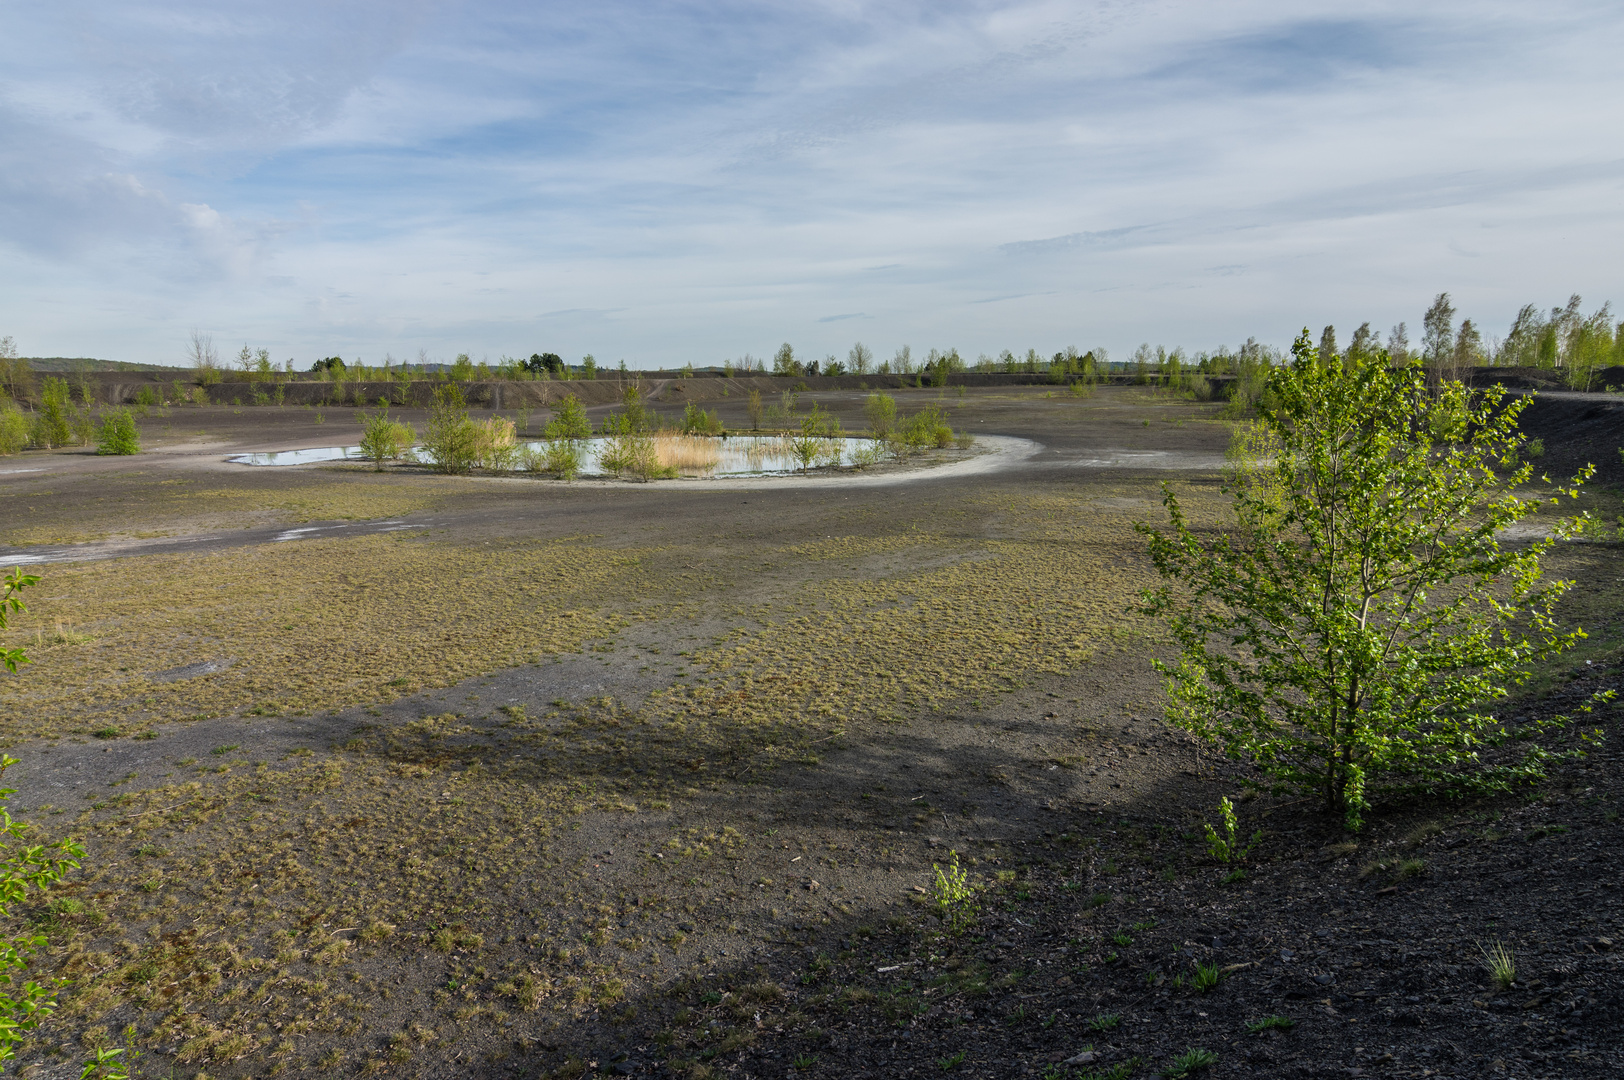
690, 455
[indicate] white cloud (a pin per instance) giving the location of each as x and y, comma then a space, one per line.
687, 181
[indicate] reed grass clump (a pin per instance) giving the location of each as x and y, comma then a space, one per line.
690, 455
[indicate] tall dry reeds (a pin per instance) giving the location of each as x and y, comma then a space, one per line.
688, 455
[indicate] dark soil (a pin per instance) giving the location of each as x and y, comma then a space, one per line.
1371, 947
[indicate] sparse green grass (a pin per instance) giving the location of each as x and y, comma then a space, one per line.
278, 888
1500, 962
1194, 1059
1270, 1023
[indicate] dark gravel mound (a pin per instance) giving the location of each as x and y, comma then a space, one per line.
1578, 431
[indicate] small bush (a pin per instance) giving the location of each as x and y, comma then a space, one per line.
880, 410
146, 397
924, 430
383, 439
452, 442
118, 434
561, 457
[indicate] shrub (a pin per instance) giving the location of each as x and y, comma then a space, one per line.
628, 446
146, 397
452, 442
52, 424
752, 404
1345, 670
569, 420
880, 410
561, 457
696, 421
817, 440
14, 434
924, 430
118, 434
383, 439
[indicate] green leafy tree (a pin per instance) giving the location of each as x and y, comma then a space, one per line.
1348, 629
118, 434
784, 362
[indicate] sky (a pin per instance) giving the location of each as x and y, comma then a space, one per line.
671, 183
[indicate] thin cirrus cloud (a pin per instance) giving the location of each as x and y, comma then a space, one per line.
683, 182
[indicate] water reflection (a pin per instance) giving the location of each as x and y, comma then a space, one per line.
690, 455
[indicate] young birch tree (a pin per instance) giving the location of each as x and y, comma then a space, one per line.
1350, 628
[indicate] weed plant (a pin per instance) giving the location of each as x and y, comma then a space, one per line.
954, 898
1194, 1059
1270, 1023
1226, 847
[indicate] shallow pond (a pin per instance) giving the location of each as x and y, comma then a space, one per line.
691, 455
